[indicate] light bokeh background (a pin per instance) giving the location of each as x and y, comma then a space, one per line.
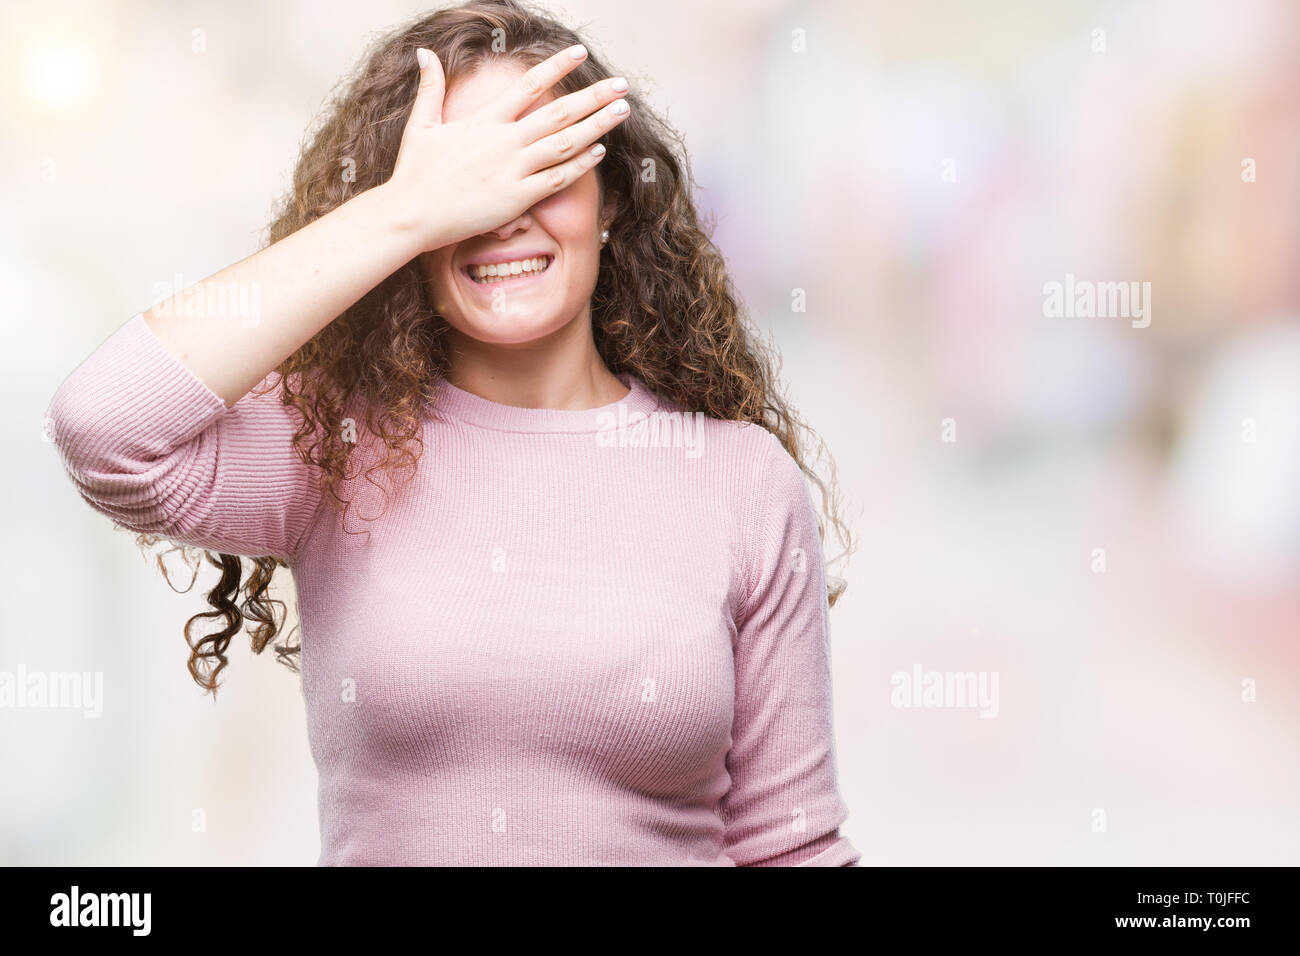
920, 170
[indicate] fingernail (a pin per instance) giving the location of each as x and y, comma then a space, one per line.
620, 107
422, 57
578, 52
618, 84
598, 150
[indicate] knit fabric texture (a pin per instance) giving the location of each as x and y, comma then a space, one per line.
572, 637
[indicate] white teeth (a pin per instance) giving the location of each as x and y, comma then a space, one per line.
500, 271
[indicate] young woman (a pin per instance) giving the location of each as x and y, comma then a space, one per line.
488, 394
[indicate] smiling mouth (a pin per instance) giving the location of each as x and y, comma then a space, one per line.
508, 271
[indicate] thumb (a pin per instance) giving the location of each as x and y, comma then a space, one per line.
427, 108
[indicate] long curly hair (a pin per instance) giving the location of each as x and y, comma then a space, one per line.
664, 308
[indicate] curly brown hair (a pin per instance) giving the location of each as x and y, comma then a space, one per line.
663, 309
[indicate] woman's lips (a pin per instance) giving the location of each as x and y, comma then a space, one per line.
514, 282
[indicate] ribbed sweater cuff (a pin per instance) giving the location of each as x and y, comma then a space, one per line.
839, 853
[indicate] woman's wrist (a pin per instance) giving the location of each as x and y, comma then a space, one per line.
413, 227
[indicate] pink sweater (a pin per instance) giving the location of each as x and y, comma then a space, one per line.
589, 637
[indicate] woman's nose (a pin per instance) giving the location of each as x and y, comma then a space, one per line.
520, 222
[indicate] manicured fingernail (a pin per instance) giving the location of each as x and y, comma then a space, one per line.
578, 52
618, 84
422, 57
598, 150
619, 107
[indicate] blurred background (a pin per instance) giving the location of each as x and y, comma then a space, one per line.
1103, 514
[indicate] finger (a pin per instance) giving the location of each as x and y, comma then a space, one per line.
524, 92
427, 108
567, 110
569, 142
561, 176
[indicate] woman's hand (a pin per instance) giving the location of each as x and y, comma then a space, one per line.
459, 179
450, 181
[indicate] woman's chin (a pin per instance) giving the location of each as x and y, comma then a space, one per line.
505, 329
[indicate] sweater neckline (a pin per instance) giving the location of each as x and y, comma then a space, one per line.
451, 401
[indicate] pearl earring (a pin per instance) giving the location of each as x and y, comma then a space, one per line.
604, 236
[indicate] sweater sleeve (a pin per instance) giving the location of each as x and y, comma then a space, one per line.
783, 807
151, 446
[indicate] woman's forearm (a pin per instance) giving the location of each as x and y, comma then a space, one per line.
235, 327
